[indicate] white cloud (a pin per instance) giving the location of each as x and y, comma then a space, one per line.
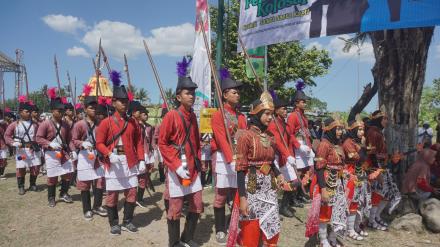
66, 24
77, 51
118, 38
336, 46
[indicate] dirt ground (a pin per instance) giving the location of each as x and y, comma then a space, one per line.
28, 221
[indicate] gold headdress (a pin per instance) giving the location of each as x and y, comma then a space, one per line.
264, 103
333, 122
357, 123
380, 113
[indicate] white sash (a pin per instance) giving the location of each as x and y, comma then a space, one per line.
226, 176
54, 167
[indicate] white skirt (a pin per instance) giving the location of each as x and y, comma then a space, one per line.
120, 177
4, 153
303, 159
287, 170
226, 176
86, 167
158, 155
31, 158
178, 190
54, 167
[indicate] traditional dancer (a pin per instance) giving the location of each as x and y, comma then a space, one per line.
179, 143
119, 141
90, 172
258, 178
383, 187
355, 153
54, 136
329, 206
21, 136
223, 157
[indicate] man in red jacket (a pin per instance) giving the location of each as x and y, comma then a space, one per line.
300, 138
21, 136
90, 172
223, 157
284, 154
179, 143
119, 141
54, 136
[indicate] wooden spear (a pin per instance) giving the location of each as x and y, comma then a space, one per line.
156, 75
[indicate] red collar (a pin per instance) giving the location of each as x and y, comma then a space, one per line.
230, 109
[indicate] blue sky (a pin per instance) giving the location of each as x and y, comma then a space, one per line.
71, 30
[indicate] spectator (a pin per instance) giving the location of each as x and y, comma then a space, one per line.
425, 135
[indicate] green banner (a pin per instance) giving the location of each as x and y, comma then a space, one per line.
257, 58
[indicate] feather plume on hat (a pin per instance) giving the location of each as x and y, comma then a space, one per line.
182, 67
115, 77
52, 93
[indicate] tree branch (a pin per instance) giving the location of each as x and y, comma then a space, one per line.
367, 95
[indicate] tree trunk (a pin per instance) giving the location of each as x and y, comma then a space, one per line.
399, 72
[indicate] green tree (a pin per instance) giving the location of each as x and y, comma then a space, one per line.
142, 96
430, 103
287, 62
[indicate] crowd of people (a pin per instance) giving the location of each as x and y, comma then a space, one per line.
106, 147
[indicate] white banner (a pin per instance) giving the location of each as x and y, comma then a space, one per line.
200, 70
270, 22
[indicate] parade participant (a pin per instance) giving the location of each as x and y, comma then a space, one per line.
140, 114
69, 115
21, 136
329, 206
258, 177
223, 157
206, 160
157, 154
355, 153
35, 115
179, 144
384, 189
54, 136
79, 112
102, 109
284, 157
4, 150
416, 183
118, 140
90, 172
300, 139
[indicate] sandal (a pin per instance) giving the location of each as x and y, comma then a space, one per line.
354, 235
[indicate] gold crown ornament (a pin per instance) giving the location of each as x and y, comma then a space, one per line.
357, 123
382, 113
336, 123
266, 103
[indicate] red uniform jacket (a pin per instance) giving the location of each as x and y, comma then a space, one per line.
131, 139
147, 137
10, 132
281, 149
79, 134
172, 132
46, 133
293, 122
220, 141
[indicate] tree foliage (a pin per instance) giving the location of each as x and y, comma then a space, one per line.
430, 103
287, 62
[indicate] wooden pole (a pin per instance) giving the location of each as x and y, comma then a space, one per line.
127, 72
56, 73
216, 81
156, 75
